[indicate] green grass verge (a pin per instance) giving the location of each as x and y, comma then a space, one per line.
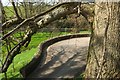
9, 11
22, 59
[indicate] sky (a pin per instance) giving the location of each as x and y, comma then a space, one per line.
7, 2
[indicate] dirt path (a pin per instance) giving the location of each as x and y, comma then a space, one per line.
65, 59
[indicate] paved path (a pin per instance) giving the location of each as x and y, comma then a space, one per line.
65, 59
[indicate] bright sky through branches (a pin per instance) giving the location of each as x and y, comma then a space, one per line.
8, 3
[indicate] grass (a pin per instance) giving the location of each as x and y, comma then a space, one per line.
9, 11
22, 59
26, 55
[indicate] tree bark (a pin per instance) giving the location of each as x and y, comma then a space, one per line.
2, 13
104, 51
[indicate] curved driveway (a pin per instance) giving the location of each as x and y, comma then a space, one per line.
65, 59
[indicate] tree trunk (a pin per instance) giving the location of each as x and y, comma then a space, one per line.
104, 51
2, 14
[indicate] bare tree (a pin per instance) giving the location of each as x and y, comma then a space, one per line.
34, 23
15, 10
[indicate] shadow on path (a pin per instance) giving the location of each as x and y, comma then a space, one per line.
63, 60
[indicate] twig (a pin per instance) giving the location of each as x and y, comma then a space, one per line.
15, 10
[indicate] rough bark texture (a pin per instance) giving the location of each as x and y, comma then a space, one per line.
104, 50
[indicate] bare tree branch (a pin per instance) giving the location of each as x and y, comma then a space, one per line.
15, 29
55, 14
37, 22
15, 10
34, 17
16, 50
10, 23
58, 5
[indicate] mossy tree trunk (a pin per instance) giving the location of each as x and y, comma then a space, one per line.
104, 51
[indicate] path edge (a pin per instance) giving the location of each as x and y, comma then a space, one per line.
39, 58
